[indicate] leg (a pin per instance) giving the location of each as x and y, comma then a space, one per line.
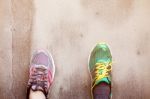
100, 69
101, 91
36, 95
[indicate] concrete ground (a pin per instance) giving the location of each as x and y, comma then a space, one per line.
69, 29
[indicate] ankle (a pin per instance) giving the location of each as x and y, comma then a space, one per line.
36, 95
102, 91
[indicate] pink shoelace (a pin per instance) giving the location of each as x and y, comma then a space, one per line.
40, 79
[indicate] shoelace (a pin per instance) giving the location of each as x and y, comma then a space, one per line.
39, 77
102, 70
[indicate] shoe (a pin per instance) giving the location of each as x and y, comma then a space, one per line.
100, 63
42, 70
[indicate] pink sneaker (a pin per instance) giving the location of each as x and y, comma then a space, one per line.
42, 70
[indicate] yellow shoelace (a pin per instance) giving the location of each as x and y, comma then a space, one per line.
102, 70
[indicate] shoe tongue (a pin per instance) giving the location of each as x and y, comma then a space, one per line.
103, 80
37, 88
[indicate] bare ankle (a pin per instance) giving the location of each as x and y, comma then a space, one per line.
36, 95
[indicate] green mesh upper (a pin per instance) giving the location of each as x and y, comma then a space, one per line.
100, 53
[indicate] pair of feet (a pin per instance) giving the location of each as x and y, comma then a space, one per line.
42, 70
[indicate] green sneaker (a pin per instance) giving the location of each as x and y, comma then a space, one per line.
100, 63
